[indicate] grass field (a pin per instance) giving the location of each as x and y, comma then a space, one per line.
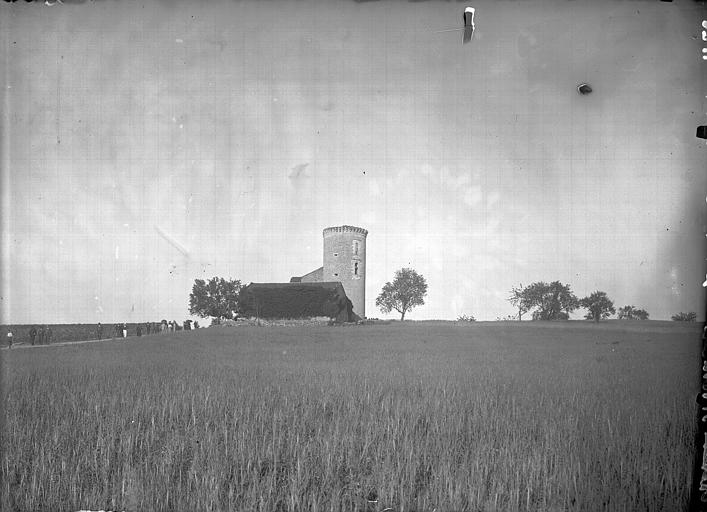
415, 416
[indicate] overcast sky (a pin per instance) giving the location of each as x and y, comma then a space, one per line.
146, 145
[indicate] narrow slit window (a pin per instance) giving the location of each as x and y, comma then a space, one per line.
356, 268
355, 247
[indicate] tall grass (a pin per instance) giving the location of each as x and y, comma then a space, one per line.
413, 418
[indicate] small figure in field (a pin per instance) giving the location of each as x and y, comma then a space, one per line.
100, 331
32, 334
9, 339
149, 327
40, 335
117, 332
48, 334
139, 330
196, 324
125, 330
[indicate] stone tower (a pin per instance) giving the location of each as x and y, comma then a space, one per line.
345, 261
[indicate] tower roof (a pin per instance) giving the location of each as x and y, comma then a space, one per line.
344, 229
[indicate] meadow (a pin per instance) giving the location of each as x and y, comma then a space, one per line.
418, 416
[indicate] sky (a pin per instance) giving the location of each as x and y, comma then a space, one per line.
145, 145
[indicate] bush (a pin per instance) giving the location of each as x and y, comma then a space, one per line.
685, 317
466, 318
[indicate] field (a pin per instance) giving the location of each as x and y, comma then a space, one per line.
416, 416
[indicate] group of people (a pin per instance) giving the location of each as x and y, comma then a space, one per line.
41, 335
172, 325
121, 330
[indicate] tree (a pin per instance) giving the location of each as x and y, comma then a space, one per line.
217, 298
599, 306
519, 300
549, 301
685, 317
632, 313
407, 290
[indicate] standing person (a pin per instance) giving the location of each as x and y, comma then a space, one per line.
48, 334
139, 330
32, 334
116, 331
149, 327
9, 339
40, 335
100, 331
125, 330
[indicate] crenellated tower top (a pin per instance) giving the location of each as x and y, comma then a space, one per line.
345, 229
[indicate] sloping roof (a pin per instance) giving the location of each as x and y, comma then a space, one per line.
314, 276
297, 300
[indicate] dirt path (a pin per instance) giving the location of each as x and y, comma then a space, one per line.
23, 345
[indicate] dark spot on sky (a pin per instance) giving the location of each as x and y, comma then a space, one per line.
584, 88
298, 170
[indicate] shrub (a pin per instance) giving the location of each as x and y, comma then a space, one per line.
685, 317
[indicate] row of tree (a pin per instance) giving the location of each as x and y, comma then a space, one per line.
219, 298
556, 301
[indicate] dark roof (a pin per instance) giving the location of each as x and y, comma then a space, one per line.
297, 300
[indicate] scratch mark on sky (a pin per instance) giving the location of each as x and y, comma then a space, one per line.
172, 241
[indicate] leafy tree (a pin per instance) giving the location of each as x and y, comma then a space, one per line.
549, 301
519, 300
632, 313
217, 298
685, 317
599, 306
407, 290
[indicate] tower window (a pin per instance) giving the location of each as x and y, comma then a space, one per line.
355, 246
336, 254
356, 268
